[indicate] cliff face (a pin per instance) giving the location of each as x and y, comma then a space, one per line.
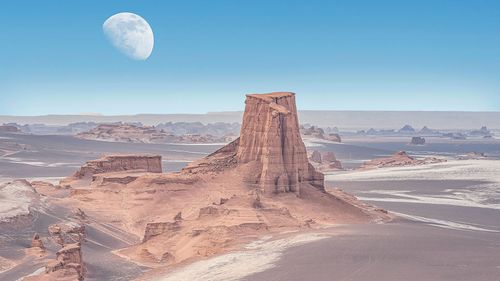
270, 137
118, 163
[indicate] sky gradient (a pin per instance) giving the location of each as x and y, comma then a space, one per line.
336, 55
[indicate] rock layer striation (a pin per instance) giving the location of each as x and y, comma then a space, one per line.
270, 138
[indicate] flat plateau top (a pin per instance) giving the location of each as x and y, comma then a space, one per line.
272, 95
109, 156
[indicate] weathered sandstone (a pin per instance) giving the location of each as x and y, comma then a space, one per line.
270, 137
36, 242
260, 183
118, 163
67, 232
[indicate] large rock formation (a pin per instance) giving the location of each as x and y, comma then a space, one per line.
269, 147
270, 137
118, 163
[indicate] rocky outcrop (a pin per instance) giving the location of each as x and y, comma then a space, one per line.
270, 137
18, 199
407, 129
36, 242
316, 157
400, 158
67, 232
417, 141
118, 163
122, 133
68, 262
9, 129
133, 133
325, 162
319, 133
156, 228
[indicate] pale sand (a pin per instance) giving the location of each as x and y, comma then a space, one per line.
391, 252
258, 256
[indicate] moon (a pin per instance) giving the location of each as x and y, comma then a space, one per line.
130, 34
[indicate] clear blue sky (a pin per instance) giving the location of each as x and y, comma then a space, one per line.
339, 55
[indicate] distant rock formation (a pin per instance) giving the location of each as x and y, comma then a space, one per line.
473, 156
407, 129
483, 132
143, 134
455, 136
270, 138
316, 157
217, 129
9, 129
417, 141
325, 162
426, 131
398, 159
319, 133
122, 133
119, 163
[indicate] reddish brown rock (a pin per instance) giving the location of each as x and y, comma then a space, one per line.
36, 242
270, 138
118, 163
68, 232
156, 228
68, 264
70, 256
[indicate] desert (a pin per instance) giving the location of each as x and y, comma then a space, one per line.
249, 140
261, 193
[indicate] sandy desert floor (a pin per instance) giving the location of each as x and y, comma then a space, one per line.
448, 229
448, 226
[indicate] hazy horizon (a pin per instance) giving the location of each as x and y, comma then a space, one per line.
349, 120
